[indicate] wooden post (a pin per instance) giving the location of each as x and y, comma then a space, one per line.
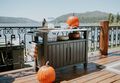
104, 28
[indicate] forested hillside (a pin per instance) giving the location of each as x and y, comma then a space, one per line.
87, 17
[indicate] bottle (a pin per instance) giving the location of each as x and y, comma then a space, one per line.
44, 23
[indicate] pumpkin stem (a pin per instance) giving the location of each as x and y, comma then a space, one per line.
47, 63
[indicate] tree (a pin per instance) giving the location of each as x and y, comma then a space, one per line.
111, 18
117, 18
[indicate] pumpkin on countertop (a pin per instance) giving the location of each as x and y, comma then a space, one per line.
73, 21
46, 74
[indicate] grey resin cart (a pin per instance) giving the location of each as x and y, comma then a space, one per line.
61, 53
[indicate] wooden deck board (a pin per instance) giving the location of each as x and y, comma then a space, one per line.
112, 79
14, 71
107, 60
26, 79
100, 78
89, 76
118, 81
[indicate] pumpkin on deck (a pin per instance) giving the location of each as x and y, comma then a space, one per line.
73, 21
46, 74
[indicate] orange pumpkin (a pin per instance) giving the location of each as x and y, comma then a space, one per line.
46, 74
73, 21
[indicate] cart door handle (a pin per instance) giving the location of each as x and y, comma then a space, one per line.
66, 54
70, 54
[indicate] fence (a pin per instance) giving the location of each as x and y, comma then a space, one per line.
10, 36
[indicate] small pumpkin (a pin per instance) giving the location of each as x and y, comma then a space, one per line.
46, 74
74, 35
73, 21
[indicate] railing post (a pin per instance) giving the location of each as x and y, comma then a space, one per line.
116, 37
104, 28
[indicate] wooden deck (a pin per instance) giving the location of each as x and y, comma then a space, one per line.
78, 74
96, 77
102, 76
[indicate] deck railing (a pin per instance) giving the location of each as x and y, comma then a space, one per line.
18, 35
94, 37
11, 36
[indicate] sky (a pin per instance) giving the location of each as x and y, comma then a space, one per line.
39, 9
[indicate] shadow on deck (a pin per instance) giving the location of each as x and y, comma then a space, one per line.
66, 73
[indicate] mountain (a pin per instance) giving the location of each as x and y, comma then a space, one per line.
87, 17
16, 20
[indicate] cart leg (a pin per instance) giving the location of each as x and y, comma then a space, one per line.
74, 67
85, 66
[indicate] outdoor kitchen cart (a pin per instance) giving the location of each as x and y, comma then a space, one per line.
60, 53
